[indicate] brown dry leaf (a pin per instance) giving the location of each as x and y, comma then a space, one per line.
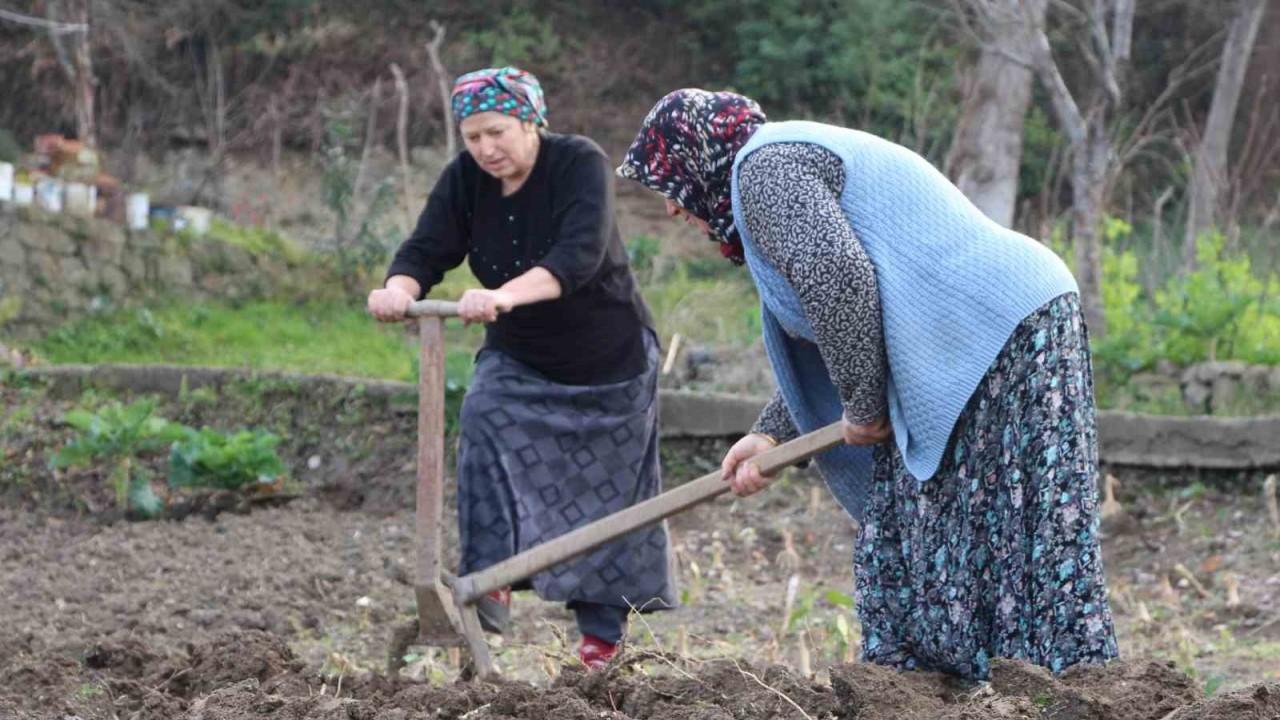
1211, 564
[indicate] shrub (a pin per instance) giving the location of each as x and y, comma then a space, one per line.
1220, 311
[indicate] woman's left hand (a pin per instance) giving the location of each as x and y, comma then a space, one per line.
872, 433
479, 305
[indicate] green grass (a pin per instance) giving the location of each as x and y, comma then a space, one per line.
707, 305
719, 308
310, 338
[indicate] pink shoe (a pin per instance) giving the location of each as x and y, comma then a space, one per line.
595, 653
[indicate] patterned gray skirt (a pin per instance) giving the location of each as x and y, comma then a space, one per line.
537, 459
997, 554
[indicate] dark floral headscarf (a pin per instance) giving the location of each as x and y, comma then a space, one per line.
507, 90
685, 152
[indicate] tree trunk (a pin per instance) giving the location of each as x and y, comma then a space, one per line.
86, 127
1089, 164
987, 150
1209, 175
77, 65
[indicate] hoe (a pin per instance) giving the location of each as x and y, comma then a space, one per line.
446, 604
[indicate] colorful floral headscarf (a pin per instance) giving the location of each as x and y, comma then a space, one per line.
685, 151
507, 90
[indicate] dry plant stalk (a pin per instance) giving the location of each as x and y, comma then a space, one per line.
803, 665
815, 501
1165, 589
793, 586
1178, 514
1110, 506
788, 559
672, 351
1144, 614
549, 667
1232, 583
1273, 507
773, 690
717, 558
1195, 583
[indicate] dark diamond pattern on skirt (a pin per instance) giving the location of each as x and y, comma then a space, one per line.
537, 459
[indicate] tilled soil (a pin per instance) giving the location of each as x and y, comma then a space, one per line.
285, 612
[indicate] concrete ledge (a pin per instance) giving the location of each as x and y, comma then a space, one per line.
1203, 441
169, 379
1215, 443
701, 414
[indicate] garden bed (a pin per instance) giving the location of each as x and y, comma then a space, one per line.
286, 611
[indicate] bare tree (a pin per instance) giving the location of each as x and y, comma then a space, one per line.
442, 82
1087, 129
1209, 174
986, 152
1104, 29
402, 143
76, 63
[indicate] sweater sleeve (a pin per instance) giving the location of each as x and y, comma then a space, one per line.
790, 202
775, 420
442, 237
582, 212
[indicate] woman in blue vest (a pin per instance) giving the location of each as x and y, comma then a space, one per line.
955, 354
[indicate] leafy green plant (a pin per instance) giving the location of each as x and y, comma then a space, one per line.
829, 631
208, 458
1216, 311
1130, 344
121, 435
1222, 310
641, 251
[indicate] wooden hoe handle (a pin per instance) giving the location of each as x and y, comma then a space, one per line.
469, 588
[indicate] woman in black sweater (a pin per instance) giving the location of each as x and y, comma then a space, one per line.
559, 426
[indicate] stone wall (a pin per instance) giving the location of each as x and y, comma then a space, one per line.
1213, 388
54, 267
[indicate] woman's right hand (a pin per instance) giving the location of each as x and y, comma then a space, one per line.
737, 470
389, 304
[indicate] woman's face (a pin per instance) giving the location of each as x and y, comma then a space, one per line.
503, 146
675, 211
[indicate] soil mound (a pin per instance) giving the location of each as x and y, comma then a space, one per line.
239, 675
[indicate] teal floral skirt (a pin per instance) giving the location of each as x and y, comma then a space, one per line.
997, 554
